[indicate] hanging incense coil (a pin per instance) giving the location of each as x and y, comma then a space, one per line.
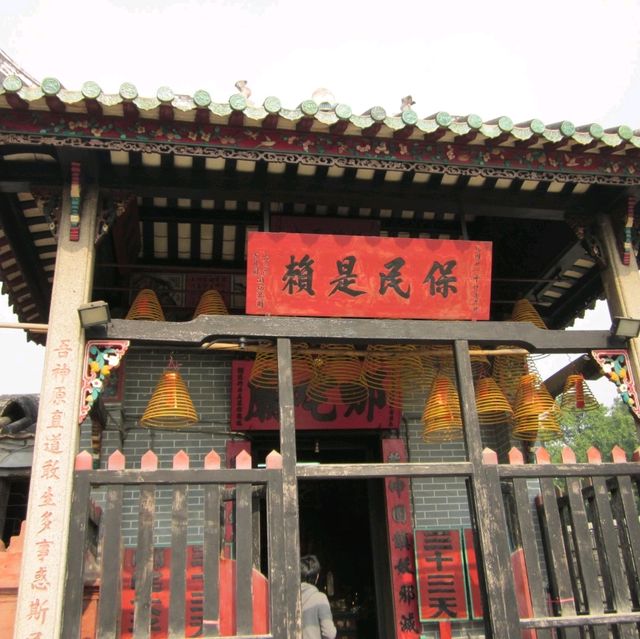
441, 417
211, 303
524, 311
536, 412
577, 396
393, 368
146, 306
170, 406
491, 404
264, 372
480, 364
438, 360
508, 371
337, 376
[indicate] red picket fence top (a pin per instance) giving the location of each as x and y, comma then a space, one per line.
149, 461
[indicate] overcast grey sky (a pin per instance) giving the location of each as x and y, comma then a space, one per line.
552, 60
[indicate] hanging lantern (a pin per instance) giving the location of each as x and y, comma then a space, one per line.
536, 412
441, 416
577, 396
170, 406
492, 406
211, 303
146, 306
336, 378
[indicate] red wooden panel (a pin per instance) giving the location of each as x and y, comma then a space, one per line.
473, 576
441, 582
356, 276
194, 596
258, 409
401, 552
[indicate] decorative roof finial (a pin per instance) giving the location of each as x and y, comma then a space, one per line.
243, 89
407, 103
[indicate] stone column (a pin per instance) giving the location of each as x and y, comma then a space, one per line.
622, 287
41, 593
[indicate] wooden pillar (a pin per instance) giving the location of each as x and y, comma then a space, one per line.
290, 526
489, 512
621, 285
41, 594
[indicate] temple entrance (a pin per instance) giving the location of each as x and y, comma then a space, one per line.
336, 525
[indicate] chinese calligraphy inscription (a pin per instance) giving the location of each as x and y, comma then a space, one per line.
358, 276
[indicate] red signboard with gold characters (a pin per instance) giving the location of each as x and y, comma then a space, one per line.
366, 276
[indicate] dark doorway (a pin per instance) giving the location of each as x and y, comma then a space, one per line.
343, 522
337, 518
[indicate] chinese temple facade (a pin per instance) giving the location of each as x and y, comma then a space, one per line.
273, 332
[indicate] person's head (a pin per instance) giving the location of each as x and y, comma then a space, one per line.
309, 569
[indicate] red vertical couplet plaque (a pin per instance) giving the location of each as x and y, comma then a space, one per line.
401, 552
365, 276
441, 575
473, 576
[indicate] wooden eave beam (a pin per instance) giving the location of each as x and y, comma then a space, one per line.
198, 216
343, 192
15, 228
209, 328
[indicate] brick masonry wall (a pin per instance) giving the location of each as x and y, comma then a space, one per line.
208, 381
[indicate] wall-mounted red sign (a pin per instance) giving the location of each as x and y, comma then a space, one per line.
401, 541
255, 408
358, 276
441, 575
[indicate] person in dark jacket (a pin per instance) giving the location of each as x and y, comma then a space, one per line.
317, 621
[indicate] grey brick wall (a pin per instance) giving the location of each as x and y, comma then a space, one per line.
208, 381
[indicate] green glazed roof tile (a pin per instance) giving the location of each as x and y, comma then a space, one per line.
220, 108
50, 86
128, 91
12, 84
202, 98
309, 107
377, 113
427, 126
91, 90
409, 117
272, 104
501, 127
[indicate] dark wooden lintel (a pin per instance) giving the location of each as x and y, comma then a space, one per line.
209, 328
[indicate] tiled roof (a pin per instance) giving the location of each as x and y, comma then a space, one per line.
50, 95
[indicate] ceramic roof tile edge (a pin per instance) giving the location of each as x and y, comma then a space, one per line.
564, 132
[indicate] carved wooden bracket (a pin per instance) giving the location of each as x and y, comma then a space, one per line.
100, 358
614, 365
48, 201
585, 229
114, 208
